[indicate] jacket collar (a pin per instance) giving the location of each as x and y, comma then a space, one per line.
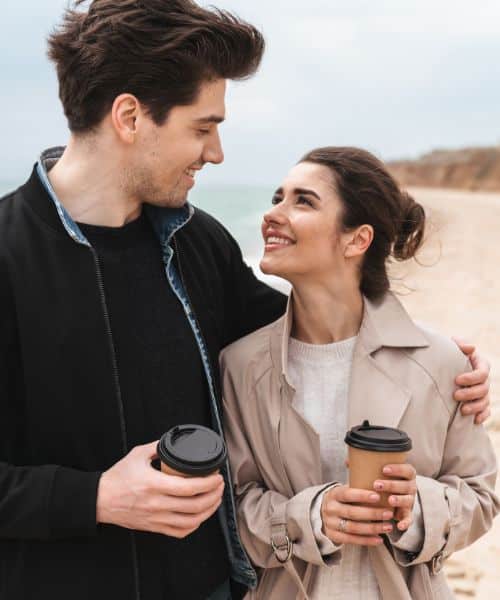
385, 324
43, 199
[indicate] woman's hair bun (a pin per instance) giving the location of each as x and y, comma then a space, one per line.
410, 234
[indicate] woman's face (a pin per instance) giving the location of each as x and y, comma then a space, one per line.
301, 231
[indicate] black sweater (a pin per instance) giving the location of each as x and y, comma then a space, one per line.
153, 341
61, 418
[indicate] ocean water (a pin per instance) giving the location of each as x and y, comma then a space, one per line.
238, 207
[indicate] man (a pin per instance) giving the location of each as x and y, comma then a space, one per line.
116, 297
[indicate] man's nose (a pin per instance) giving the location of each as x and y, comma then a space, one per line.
213, 152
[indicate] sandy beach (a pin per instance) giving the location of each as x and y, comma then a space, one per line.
456, 289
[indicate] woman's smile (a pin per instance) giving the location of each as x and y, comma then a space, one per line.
275, 240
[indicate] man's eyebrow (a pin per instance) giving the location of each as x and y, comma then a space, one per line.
210, 119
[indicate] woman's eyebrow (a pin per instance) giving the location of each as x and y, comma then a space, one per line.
298, 191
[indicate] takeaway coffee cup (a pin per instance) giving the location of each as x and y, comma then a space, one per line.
371, 448
191, 451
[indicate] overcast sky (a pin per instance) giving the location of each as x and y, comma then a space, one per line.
398, 77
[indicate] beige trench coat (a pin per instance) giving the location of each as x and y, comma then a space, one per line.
402, 376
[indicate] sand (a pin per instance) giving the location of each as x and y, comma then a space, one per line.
458, 293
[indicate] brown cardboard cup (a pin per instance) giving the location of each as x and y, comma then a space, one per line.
371, 448
191, 451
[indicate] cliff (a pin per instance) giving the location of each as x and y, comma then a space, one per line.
467, 169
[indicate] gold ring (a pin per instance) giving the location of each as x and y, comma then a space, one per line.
343, 525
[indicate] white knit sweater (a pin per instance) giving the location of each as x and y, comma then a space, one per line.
320, 375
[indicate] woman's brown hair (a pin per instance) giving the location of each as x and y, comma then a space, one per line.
161, 51
371, 196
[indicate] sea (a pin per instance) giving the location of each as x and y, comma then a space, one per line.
239, 208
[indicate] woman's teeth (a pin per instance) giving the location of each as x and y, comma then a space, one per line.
278, 240
190, 172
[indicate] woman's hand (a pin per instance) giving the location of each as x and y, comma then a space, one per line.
403, 488
345, 523
474, 386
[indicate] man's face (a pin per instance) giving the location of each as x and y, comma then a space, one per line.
166, 158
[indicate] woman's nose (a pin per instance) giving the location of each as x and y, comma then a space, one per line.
276, 214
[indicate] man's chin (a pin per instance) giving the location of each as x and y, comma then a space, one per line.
172, 201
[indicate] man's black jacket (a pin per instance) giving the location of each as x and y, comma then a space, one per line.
61, 422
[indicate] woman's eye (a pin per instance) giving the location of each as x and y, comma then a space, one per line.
203, 131
304, 200
276, 200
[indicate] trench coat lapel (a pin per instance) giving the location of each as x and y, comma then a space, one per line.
374, 394
295, 437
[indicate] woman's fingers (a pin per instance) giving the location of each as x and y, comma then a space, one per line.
359, 513
360, 527
406, 519
400, 471
406, 501
396, 486
338, 537
352, 495
335, 509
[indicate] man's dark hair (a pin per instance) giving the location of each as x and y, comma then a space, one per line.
161, 51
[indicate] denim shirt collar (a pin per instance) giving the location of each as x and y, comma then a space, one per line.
165, 221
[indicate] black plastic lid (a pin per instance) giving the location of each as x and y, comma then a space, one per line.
377, 438
192, 449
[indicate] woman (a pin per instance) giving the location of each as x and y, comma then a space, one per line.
347, 351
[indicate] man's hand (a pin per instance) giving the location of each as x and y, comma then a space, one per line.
475, 388
134, 495
346, 523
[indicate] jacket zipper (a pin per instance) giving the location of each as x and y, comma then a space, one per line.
120, 402
216, 398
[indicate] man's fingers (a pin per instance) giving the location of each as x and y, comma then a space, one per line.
146, 451
185, 487
474, 407
196, 504
482, 416
476, 377
464, 346
180, 525
475, 392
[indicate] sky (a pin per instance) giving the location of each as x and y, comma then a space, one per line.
397, 77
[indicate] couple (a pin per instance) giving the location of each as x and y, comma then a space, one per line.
117, 298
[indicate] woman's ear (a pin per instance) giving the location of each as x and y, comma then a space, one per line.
359, 241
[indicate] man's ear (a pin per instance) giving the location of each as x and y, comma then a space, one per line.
359, 241
124, 113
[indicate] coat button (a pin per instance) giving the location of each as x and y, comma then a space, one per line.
437, 563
